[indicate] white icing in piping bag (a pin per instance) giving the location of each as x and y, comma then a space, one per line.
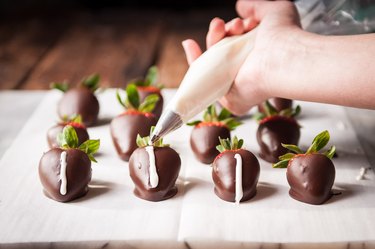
207, 80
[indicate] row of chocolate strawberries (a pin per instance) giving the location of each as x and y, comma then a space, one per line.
71, 153
126, 126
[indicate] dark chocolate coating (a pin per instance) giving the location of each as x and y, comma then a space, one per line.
168, 164
311, 178
204, 139
143, 93
79, 101
52, 133
279, 104
124, 131
224, 175
272, 133
78, 174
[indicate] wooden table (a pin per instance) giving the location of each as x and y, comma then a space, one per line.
120, 44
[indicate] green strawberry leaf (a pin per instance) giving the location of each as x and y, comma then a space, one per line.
194, 123
132, 96
296, 111
231, 123
319, 142
331, 152
90, 147
220, 148
224, 114
138, 82
286, 156
92, 159
91, 82
145, 141
258, 116
293, 148
148, 105
118, 96
62, 86
151, 76
68, 138
76, 119
269, 108
281, 164
228, 144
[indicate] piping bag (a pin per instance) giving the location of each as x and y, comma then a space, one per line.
208, 79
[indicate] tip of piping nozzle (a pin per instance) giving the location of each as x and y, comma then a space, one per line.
167, 123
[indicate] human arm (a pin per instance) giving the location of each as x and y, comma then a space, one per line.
291, 63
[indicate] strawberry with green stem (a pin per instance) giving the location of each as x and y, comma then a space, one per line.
276, 128
205, 134
235, 171
74, 121
80, 100
310, 174
149, 85
65, 172
136, 119
154, 169
278, 103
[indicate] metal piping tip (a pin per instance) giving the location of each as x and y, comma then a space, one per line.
167, 123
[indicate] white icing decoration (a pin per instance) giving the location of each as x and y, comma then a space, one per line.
154, 178
63, 165
238, 187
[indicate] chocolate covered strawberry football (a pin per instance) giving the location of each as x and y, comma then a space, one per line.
136, 119
310, 174
276, 128
75, 122
278, 103
149, 85
235, 171
80, 100
205, 134
65, 172
154, 169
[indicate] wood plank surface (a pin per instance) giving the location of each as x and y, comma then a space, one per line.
22, 45
118, 44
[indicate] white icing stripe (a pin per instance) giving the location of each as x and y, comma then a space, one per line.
154, 178
63, 164
238, 189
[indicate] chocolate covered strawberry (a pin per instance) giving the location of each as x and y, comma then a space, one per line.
80, 100
75, 122
310, 174
154, 169
205, 134
136, 119
274, 129
65, 172
235, 171
149, 85
278, 103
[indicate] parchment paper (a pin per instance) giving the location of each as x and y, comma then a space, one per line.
110, 211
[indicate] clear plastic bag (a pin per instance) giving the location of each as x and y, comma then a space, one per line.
337, 17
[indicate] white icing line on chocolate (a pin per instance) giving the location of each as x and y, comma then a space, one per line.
154, 178
63, 165
238, 187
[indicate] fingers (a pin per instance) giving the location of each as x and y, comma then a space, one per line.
216, 31
234, 27
192, 50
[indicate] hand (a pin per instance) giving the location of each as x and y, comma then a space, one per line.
278, 23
